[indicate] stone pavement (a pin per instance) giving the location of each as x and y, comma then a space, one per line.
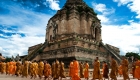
9, 77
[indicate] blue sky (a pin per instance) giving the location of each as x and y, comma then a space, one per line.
23, 23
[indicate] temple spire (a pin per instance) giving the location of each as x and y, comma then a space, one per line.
74, 1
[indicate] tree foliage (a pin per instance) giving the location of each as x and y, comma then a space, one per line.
130, 54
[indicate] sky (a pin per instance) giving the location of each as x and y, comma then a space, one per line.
23, 23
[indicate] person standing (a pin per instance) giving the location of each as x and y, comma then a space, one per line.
40, 68
18, 69
114, 67
62, 69
25, 69
71, 69
125, 69
137, 69
120, 70
75, 72
81, 70
57, 69
53, 70
47, 70
86, 70
105, 70
96, 69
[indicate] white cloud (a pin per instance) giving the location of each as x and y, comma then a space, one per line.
133, 5
122, 2
104, 19
30, 23
53, 4
103, 9
126, 37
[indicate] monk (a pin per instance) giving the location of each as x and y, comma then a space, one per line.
71, 69
25, 69
125, 69
114, 67
3, 67
14, 68
86, 70
96, 69
133, 69
0, 66
62, 69
75, 72
57, 69
35, 69
53, 69
105, 70
81, 70
120, 70
47, 70
7, 68
137, 69
40, 68
31, 69
11, 67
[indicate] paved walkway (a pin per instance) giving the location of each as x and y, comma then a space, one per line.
8, 77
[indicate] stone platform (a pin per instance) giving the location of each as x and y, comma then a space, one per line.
9, 77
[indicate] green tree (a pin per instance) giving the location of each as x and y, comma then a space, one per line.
130, 54
7, 59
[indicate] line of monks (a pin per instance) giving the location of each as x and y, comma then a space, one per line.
76, 70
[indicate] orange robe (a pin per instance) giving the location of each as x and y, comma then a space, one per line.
71, 69
120, 70
81, 70
14, 68
75, 72
40, 68
125, 69
137, 69
86, 71
96, 71
114, 68
11, 67
62, 69
3, 67
47, 70
105, 70
7, 68
25, 69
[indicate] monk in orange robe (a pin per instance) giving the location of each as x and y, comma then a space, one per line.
53, 69
81, 70
133, 69
86, 70
57, 69
25, 69
14, 68
105, 70
125, 69
75, 72
7, 68
3, 67
47, 70
137, 69
62, 69
40, 69
114, 68
11, 67
120, 70
96, 70
71, 69
18, 69
35, 69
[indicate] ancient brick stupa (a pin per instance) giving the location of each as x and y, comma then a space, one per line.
74, 32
